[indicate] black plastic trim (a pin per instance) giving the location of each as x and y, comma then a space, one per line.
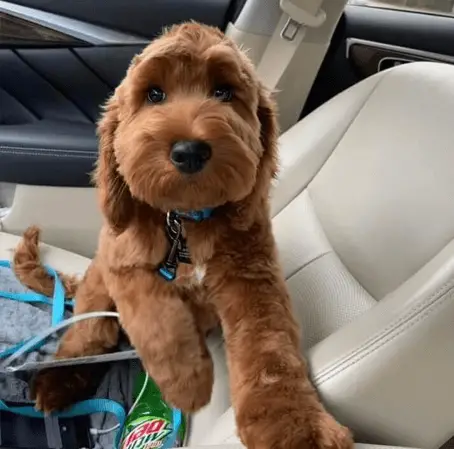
422, 31
141, 17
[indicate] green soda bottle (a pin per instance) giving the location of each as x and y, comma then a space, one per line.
149, 422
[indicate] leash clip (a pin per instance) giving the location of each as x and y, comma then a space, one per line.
168, 268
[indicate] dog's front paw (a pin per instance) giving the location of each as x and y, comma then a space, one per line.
187, 387
55, 389
327, 433
293, 426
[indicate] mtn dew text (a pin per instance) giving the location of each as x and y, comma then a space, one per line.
149, 423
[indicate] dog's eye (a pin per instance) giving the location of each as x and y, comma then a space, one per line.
223, 93
156, 95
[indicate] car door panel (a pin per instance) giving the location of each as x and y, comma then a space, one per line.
53, 83
18, 32
70, 76
428, 32
52, 101
369, 57
142, 17
108, 62
34, 92
370, 39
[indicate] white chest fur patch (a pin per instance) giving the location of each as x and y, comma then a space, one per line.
199, 273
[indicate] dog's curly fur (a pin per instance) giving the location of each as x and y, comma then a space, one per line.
275, 403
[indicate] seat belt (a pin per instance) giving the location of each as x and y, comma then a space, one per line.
287, 37
303, 31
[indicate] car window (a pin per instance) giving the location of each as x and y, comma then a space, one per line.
428, 6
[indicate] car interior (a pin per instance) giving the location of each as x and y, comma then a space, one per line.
362, 208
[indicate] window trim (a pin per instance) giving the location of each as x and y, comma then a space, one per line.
405, 51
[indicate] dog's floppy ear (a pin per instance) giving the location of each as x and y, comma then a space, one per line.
247, 210
116, 201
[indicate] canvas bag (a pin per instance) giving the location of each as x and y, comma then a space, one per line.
21, 426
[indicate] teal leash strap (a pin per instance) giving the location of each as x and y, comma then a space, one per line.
57, 302
82, 408
176, 423
10, 351
58, 299
32, 298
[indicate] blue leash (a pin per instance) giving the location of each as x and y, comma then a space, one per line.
91, 406
80, 409
176, 423
57, 302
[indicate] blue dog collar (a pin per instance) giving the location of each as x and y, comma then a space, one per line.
195, 215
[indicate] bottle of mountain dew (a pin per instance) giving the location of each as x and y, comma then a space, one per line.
149, 422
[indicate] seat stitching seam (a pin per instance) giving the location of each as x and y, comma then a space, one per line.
305, 265
227, 438
393, 325
410, 323
35, 153
53, 150
414, 312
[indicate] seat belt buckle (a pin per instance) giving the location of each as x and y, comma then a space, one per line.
290, 29
299, 17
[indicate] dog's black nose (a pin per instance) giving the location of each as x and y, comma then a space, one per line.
190, 156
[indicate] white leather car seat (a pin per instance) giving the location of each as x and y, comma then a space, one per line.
364, 219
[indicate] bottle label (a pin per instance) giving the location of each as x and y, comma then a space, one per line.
147, 433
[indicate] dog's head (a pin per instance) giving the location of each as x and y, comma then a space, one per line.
190, 127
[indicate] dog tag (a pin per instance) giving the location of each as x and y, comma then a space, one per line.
183, 252
168, 268
175, 233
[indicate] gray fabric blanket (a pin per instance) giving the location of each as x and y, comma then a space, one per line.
20, 321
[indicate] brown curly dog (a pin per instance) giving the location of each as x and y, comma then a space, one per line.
187, 155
